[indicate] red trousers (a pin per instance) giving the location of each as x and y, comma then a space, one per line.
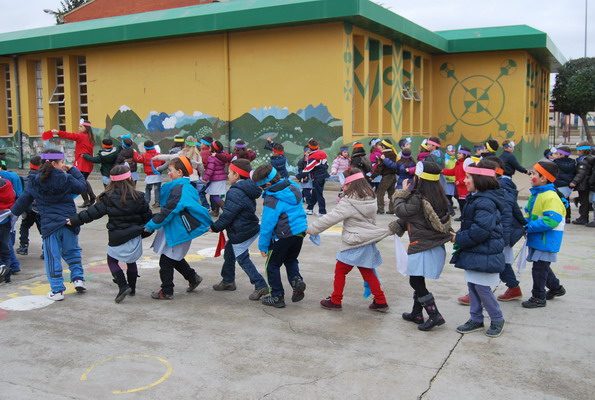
341, 271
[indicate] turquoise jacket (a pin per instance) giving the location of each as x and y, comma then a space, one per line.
545, 214
182, 217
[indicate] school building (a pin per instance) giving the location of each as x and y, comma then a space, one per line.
337, 70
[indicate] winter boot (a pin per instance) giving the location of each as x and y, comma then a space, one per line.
122, 284
23, 250
513, 293
86, 203
91, 194
132, 281
434, 317
416, 314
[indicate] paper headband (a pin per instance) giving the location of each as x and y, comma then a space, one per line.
358, 145
343, 148
279, 152
510, 144
187, 164
239, 171
190, 143
240, 145
374, 142
463, 151
33, 166
433, 143
408, 140
405, 157
563, 152
121, 177
450, 147
205, 142
52, 156
479, 147
583, 148
490, 148
312, 147
85, 123
107, 146
353, 177
499, 171
269, 178
149, 147
178, 140
543, 172
424, 144
480, 171
216, 146
419, 171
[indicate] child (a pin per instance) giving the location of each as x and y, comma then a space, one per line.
357, 211
205, 148
282, 233
7, 198
359, 159
52, 190
375, 153
405, 166
580, 182
241, 223
189, 150
304, 179
278, 159
126, 156
215, 177
479, 149
422, 211
510, 162
106, 157
181, 219
317, 170
241, 151
178, 145
567, 171
153, 178
459, 174
433, 145
32, 215
17, 186
450, 188
389, 177
479, 246
423, 151
341, 162
544, 214
127, 212
491, 146
404, 143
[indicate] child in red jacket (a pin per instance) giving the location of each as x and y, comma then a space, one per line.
459, 173
153, 177
7, 197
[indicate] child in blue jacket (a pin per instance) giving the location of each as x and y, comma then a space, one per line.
182, 218
17, 186
479, 246
278, 159
282, 232
545, 214
240, 220
52, 190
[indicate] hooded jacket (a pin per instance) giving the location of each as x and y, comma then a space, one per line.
106, 157
545, 215
405, 170
182, 217
417, 217
283, 215
362, 162
481, 237
198, 169
83, 146
126, 155
513, 220
511, 164
340, 165
459, 174
239, 215
7, 195
359, 223
279, 161
53, 198
317, 165
125, 222
567, 171
215, 170
583, 171
382, 168
145, 159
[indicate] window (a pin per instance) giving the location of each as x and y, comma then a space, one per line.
82, 79
8, 98
39, 97
57, 97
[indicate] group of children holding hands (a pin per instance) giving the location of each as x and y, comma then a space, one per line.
420, 195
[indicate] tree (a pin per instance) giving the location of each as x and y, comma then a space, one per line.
574, 90
66, 6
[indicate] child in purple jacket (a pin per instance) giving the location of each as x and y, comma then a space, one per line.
216, 177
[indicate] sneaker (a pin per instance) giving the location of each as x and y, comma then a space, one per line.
534, 302
79, 285
156, 205
224, 286
4, 270
511, 294
327, 304
378, 307
550, 294
57, 296
470, 326
380, 212
299, 286
214, 213
495, 329
274, 301
23, 250
591, 224
580, 222
197, 281
41, 257
464, 300
258, 293
309, 212
161, 296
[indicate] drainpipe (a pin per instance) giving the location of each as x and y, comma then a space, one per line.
227, 87
19, 132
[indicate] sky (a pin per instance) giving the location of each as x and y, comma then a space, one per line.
563, 21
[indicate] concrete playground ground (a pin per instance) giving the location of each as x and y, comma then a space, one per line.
220, 345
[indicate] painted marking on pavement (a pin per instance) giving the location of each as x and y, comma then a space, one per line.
157, 382
26, 303
3, 314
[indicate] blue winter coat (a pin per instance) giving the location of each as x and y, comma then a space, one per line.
402, 170
279, 162
566, 172
480, 238
15, 179
53, 198
513, 220
182, 217
283, 215
239, 215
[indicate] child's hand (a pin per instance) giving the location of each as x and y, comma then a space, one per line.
383, 157
406, 184
270, 140
308, 232
66, 167
54, 131
262, 253
68, 222
454, 237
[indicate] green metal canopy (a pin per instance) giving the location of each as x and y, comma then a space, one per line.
245, 15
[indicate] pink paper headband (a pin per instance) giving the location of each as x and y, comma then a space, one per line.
86, 124
480, 171
121, 177
432, 142
353, 177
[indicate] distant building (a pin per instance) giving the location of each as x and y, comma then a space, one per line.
338, 70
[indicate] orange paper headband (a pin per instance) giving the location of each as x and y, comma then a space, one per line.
499, 171
312, 147
187, 164
358, 145
239, 171
278, 151
542, 171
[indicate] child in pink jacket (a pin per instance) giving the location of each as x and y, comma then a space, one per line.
216, 177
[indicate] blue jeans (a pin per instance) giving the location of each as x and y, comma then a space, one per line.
508, 277
317, 196
5, 253
202, 196
15, 265
148, 189
62, 244
283, 251
481, 296
228, 270
543, 277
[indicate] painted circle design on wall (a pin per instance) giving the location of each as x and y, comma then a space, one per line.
477, 100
